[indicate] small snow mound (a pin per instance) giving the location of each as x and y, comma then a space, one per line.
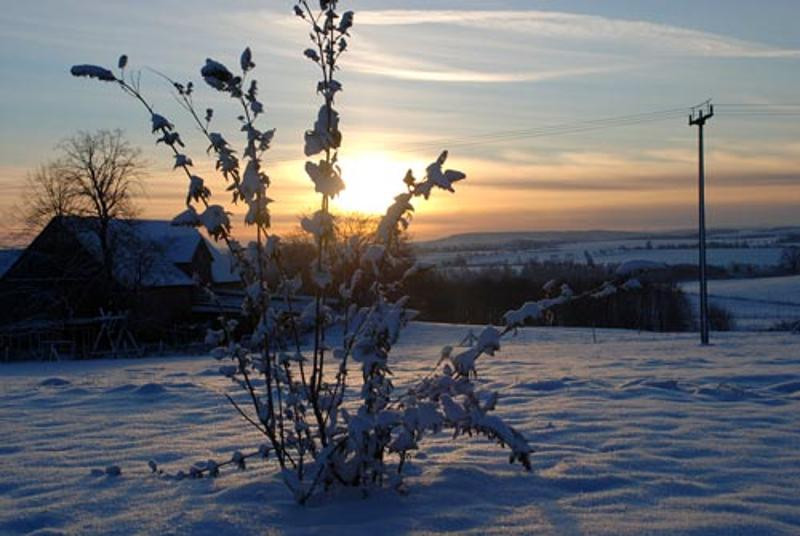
182, 385
151, 389
54, 382
788, 388
113, 470
124, 388
725, 392
543, 385
667, 385
75, 392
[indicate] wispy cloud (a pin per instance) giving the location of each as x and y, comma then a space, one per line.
409, 69
548, 25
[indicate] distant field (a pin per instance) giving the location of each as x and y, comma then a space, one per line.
761, 248
605, 254
758, 303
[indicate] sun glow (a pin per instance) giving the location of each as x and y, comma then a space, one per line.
372, 181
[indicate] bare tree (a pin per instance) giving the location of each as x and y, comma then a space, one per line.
48, 195
101, 171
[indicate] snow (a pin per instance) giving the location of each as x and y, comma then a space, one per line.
154, 247
93, 71
762, 248
148, 249
773, 289
611, 254
223, 268
179, 243
639, 433
756, 303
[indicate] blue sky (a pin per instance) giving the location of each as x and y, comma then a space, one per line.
422, 73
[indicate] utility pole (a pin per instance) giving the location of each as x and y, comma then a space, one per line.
698, 117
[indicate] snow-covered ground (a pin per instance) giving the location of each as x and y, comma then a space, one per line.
757, 303
762, 248
725, 257
636, 434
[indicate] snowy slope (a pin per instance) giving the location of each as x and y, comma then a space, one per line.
772, 289
754, 247
637, 434
610, 254
757, 303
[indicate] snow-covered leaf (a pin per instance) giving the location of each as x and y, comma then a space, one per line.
93, 71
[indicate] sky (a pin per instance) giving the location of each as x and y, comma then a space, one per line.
423, 76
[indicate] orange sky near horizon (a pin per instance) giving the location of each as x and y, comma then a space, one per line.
568, 193
415, 84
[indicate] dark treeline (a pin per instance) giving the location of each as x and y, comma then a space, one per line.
483, 296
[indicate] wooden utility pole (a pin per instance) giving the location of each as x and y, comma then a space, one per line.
698, 117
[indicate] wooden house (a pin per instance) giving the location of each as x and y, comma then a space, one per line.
157, 275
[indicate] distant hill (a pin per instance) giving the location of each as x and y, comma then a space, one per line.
498, 240
482, 240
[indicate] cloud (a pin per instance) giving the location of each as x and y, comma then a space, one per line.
405, 69
455, 54
642, 183
550, 28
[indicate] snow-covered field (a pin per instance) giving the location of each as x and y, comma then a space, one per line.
636, 434
757, 303
762, 248
726, 257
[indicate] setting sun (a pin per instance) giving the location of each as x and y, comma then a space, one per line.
372, 180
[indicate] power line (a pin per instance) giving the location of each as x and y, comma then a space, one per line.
577, 127
759, 104
602, 122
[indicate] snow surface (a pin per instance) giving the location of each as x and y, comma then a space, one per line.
600, 238
773, 289
610, 254
756, 303
755, 247
222, 265
636, 434
148, 249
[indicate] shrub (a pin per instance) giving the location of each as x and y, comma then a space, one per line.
318, 440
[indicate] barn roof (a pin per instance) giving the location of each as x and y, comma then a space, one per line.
149, 252
179, 242
7, 258
222, 266
145, 251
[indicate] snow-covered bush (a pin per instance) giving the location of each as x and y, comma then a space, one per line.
323, 429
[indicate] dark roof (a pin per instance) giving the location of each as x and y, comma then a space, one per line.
146, 251
7, 258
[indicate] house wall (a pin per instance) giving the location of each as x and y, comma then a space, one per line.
157, 311
56, 279
200, 266
53, 278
